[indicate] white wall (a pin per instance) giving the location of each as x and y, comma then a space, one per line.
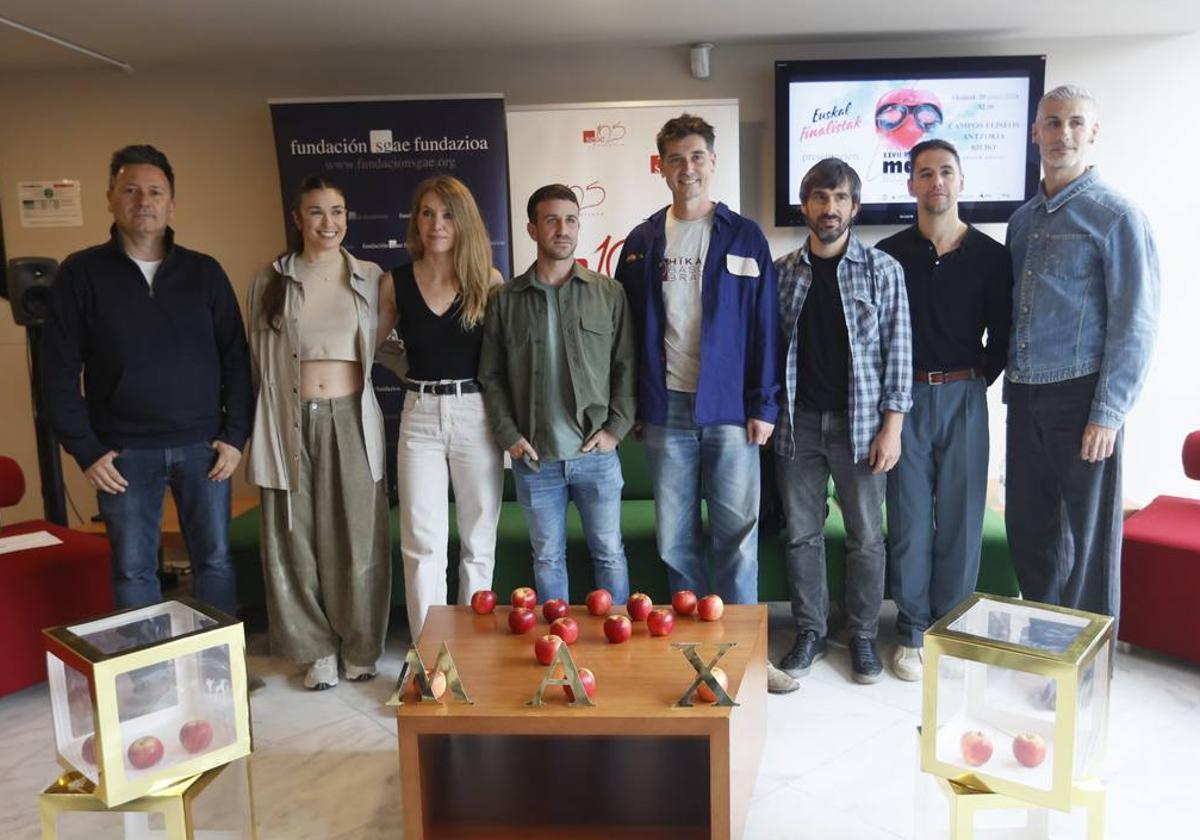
214, 124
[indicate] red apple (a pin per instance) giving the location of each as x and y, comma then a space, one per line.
1029, 748
617, 629
545, 647
638, 606
521, 620
523, 596
684, 601
710, 608
599, 602
705, 693
437, 685
566, 629
661, 622
145, 752
89, 749
196, 735
589, 684
976, 748
483, 602
554, 608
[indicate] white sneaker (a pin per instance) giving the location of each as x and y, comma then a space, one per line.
908, 663
322, 674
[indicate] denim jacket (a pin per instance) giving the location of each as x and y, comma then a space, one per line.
1086, 293
875, 303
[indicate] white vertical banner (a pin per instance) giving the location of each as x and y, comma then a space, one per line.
605, 152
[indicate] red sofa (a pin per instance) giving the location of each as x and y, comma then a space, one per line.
44, 587
1160, 570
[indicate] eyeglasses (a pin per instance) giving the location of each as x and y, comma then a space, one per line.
926, 115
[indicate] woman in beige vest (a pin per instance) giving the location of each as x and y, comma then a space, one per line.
317, 450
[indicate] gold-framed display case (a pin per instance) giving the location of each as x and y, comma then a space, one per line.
1016, 697
947, 810
147, 696
218, 804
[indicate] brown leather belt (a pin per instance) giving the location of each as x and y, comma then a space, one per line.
941, 377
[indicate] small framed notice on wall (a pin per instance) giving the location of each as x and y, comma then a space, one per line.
50, 204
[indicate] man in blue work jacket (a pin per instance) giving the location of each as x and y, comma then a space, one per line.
701, 287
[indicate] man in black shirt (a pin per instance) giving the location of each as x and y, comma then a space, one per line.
156, 330
847, 366
959, 285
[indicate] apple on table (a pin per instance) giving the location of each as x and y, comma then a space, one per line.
660, 622
589, 684
639, 606
521, 620
599, 602
483, 602
524, 596
684, 602
618, 629
555, 608
545, 647
566, 629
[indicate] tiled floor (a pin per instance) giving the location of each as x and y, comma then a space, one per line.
840, 762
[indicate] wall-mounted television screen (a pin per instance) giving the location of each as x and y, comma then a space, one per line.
871, 112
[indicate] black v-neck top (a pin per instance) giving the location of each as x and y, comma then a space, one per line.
437, 345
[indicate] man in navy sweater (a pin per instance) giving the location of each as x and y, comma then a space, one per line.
156, 330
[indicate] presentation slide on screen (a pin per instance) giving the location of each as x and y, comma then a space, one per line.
872, 125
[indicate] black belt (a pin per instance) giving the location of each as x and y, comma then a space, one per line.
443, 389
941, 377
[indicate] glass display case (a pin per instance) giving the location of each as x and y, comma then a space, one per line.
1016, 698
216, 805
946, 810
144, 697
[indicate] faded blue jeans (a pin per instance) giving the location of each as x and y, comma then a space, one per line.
593, 481
133, 520
719, 465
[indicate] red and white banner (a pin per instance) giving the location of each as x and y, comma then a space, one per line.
606, 153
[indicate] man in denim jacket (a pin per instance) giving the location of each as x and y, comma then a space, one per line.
1085, 311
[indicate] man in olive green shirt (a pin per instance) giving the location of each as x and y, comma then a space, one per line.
558, 375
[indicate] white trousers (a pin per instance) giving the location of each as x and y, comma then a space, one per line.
446, 441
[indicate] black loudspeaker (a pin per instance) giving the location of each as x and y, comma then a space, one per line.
29, 281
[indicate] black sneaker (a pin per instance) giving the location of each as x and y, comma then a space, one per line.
806, 650
864, 660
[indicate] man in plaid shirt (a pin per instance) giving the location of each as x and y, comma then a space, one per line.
848, 383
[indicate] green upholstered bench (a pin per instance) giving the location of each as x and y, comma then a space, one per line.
514, 566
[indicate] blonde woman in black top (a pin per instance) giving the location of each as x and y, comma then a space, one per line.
437, 304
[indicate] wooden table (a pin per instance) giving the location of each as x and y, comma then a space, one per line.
633, 766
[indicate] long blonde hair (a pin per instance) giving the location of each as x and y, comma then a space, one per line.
472, 245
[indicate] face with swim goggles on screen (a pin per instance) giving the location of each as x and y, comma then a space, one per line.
904, 117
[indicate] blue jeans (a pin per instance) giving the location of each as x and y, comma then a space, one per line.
593, 482
134, 518
719, 465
